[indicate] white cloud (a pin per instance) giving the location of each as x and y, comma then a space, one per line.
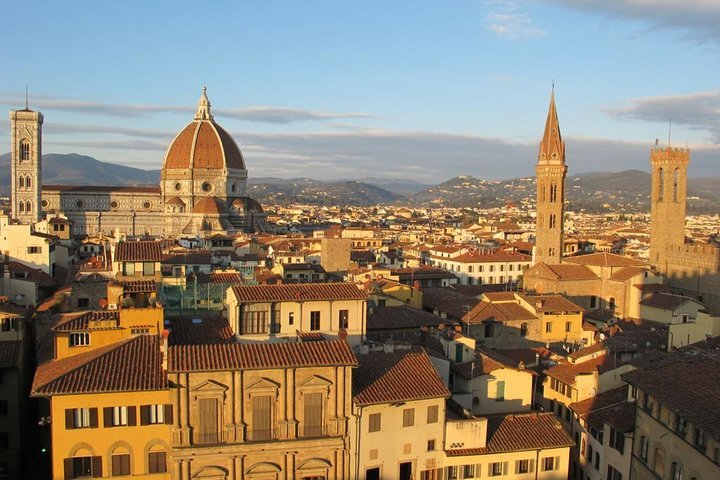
698, 19
507, 20
698, 111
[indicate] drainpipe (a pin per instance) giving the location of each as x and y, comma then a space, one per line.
358, 426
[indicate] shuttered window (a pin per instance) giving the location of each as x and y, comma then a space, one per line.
408, 417
374, 422
313, 411
432, 414
121, 464
157, 462
262, 418
208, 421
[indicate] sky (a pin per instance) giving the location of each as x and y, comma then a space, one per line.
346, 89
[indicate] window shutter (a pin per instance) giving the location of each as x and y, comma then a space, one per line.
144, 414
69, 419
107, 417
132, 416
517, 466
506, 466
93, 418
556, 464
531, 466
68, 464
478, 470
96, 461
168, 414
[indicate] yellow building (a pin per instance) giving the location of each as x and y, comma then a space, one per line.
274, 312
262, 411
399, 401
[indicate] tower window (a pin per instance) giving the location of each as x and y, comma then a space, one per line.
661, 184
552, 221
676, 174
28, 182
21, 182
21, 207
28, 206
553, 192
24, 150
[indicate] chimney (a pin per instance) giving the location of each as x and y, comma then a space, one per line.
164, 349
416, 284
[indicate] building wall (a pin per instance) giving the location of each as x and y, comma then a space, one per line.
101, 441
517, 388
235, 453
509, 459
394, 444
335, 254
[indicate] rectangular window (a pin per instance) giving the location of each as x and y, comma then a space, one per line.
121, 464
313, 414
468, 471
700, 439
568, 326
431, 445
262, 426
523, 466
676, 471
644, 443
432, 414
495, 469
314, 320
81, 418
207, 431
551, 463
79, 339
148, 268
128, 268
139, 331
500, 391
9, 324
157, 462
374, 422
408, 417
252, 322
613, 474
156, 414
617, 440
548, 327
119, 416
593, 301
34, 250
83, 302
81, 467
343, 316
291, 318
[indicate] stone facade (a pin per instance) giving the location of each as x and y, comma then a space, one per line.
550, 171
26, 163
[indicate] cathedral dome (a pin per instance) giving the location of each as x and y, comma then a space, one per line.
210, 206
203, 144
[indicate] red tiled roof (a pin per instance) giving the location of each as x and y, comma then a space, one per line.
219, 278
403, 317
626, 273
665, 301
9, 352
190, 331
498, 312
74, 322
551, 303
399, 376
217, 357
501, 257
138, 286
519, 432
566, 372
298, 292
605, 259
130, 365
142, 251
499, 296
611, 407
35, 275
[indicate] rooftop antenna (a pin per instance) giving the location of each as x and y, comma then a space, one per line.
669, 130
27, 103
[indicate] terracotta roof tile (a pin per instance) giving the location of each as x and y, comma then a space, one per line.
500, 296
138, 286
572, 272
686, 381
219, 278
448, 301
130, 365
216, 357
403, 317
665, 301
399, 376
552, 303
498, 312
626, 273
35, 275
298, 292
566, 372
141, 251
605, 259
199, 330
74, 322
611, 407
519, 432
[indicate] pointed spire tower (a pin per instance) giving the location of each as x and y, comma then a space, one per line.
203, 111
550, 172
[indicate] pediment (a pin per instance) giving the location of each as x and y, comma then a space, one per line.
210, 386
315, 381
264, 384
314, 464
264, 467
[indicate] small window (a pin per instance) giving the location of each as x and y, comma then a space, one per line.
431, 445
129, 268
522, 466
408, 417
500, 390
496, 469
568, 327
343, 316
291, 318
524, 330
120, 464
314, 320
81, 467
548, 327
24, 150
549, 463
148, 268
374, 422
34, 250
432, 414
157, 462
83, 302
79, 339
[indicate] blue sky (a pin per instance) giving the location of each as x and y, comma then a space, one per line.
349, 89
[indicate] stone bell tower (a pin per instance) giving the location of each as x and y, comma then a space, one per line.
550, 172
667, 203
26, 164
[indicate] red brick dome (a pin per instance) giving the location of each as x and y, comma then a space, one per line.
203, 144
210, 206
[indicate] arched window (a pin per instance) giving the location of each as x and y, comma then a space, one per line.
552, 221
553, 192
28, 206
21, 207
28, 181
157, 460
676, 174
24, 150
21, 182
541, 187
611, 303
523, 330
661, 184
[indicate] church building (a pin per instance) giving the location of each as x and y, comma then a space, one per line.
203, 186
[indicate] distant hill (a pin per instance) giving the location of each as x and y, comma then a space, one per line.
626, 191
75, 169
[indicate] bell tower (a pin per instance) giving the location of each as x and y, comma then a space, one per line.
26, 164
550, 172
667, 202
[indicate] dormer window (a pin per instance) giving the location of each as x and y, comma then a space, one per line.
79, 339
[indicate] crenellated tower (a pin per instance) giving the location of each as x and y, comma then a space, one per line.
550, 172
26, 164
667, 204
